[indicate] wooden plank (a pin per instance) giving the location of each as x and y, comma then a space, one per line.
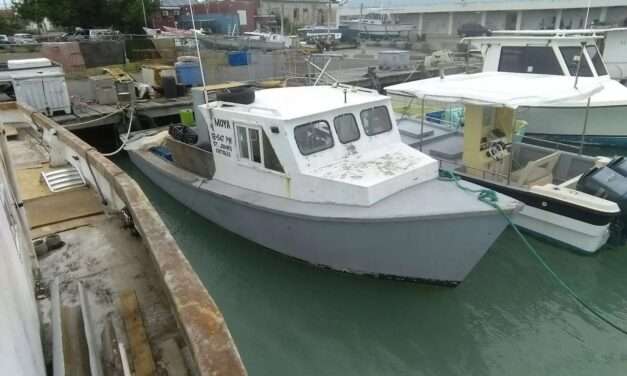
62, 206
141, 353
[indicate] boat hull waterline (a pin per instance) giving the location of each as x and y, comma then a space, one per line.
421, 249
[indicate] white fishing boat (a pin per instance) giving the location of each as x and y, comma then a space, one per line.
569, 197
379, 25
569, 55
321, 174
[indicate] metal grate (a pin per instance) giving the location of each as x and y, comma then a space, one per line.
63, 179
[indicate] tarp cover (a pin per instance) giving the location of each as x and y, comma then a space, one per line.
500, 89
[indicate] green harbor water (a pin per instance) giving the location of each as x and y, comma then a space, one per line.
508, 318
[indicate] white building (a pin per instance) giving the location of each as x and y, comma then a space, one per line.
301, 12
445, 17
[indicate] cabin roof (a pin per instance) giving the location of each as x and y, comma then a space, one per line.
297, 102
545, 38
500, 89
558, 32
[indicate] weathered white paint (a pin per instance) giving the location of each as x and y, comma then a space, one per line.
361, 172
20, 342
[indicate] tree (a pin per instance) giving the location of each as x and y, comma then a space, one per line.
124, 15
9, 23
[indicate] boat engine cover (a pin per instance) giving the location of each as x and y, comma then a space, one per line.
605, 183
619, 164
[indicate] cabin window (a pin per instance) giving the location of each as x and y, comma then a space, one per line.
538, 60
376, 120
270, 159
597, 60
254, 146
242, 141
346, 128
249, 143
313, 137
571, 58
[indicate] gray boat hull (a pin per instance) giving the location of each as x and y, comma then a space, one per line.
439, 249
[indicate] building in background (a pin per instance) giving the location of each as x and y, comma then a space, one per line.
223, 17
444, 18
297, 13
217, 16
167, 13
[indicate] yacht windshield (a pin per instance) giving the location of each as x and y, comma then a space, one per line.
571, 58
538, 60
597, 60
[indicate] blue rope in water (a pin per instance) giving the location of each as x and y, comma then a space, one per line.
490, 197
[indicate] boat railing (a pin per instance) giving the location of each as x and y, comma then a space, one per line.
249, 108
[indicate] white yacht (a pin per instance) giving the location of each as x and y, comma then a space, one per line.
558, 54
569, 197
321, 174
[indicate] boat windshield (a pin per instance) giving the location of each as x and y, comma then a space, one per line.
571, 58
538, 60
313, 137
597, 60
376, 120
346, 128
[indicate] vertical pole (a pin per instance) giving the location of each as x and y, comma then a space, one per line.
581, 56
450, 23
422, 123
202, 70
329, 21
585, 127
282, 17
519, 17
144, 11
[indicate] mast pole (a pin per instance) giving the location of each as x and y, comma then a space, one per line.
585, 127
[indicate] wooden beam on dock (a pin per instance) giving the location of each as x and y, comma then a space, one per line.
141, 354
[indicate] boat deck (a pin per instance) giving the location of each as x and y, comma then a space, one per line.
97, 251
104, 282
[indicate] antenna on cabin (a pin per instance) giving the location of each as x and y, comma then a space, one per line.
202, 70
585, 25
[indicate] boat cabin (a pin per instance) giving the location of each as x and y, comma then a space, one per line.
315, 144
554, 54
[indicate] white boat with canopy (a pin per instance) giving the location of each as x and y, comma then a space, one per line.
561, 54
569, 197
